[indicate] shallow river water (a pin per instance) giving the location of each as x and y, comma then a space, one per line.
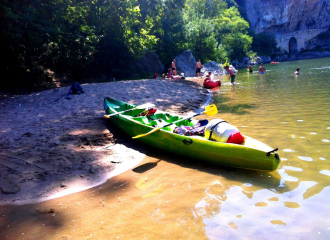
168, 197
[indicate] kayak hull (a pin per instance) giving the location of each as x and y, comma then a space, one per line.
211, 84
250, 155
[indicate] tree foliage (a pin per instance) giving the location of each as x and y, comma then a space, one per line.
263, 43
215, 31
93, 38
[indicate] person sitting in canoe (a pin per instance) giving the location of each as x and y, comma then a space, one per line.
211, 77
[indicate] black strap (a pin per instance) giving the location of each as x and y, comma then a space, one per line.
274, 150
213, 127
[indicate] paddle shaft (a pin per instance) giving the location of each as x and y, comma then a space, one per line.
121, 112
140, 106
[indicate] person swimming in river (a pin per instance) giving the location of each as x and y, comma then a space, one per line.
297, 72
262, 69
232, 75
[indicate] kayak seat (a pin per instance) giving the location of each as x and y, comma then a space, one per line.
143, 120
173, 119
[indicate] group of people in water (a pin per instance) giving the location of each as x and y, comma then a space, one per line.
261, 70
208, 81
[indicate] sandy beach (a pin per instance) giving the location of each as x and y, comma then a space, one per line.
52, 146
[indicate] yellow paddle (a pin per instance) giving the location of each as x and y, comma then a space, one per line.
140, 106
209, 110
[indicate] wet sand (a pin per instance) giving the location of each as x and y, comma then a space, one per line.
51, 146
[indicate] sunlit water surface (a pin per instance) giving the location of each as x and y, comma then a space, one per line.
293, 114
168, 197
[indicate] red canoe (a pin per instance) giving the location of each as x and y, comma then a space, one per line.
210, 84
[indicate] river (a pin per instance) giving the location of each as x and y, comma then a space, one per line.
169, 197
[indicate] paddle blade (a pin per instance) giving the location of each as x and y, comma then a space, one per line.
152, 131
211, 110
107, 116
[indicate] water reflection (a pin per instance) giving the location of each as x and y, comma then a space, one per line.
285, 112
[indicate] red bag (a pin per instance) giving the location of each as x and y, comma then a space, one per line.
148, 112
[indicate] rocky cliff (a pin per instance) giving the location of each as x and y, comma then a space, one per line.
287, 15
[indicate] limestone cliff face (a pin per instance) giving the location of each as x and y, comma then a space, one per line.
287, 15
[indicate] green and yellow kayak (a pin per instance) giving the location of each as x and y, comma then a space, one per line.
251, 154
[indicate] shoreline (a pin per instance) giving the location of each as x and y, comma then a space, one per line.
52, 146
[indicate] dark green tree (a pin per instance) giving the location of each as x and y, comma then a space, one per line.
171, 34
264, 44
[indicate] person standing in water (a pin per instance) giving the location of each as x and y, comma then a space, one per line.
198, 68
297, 72
232, 75
262, 69
250, 68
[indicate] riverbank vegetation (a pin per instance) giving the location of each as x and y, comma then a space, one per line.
84, 39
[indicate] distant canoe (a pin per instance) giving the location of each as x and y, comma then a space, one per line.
211, 84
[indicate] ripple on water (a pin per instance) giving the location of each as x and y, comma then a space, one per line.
273, 199
248, 184
308, 159
313, 133
325, 172
322, 158
300, 120
325, 140
277, 222
293, 168
288, 150
261, 204
292, 205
